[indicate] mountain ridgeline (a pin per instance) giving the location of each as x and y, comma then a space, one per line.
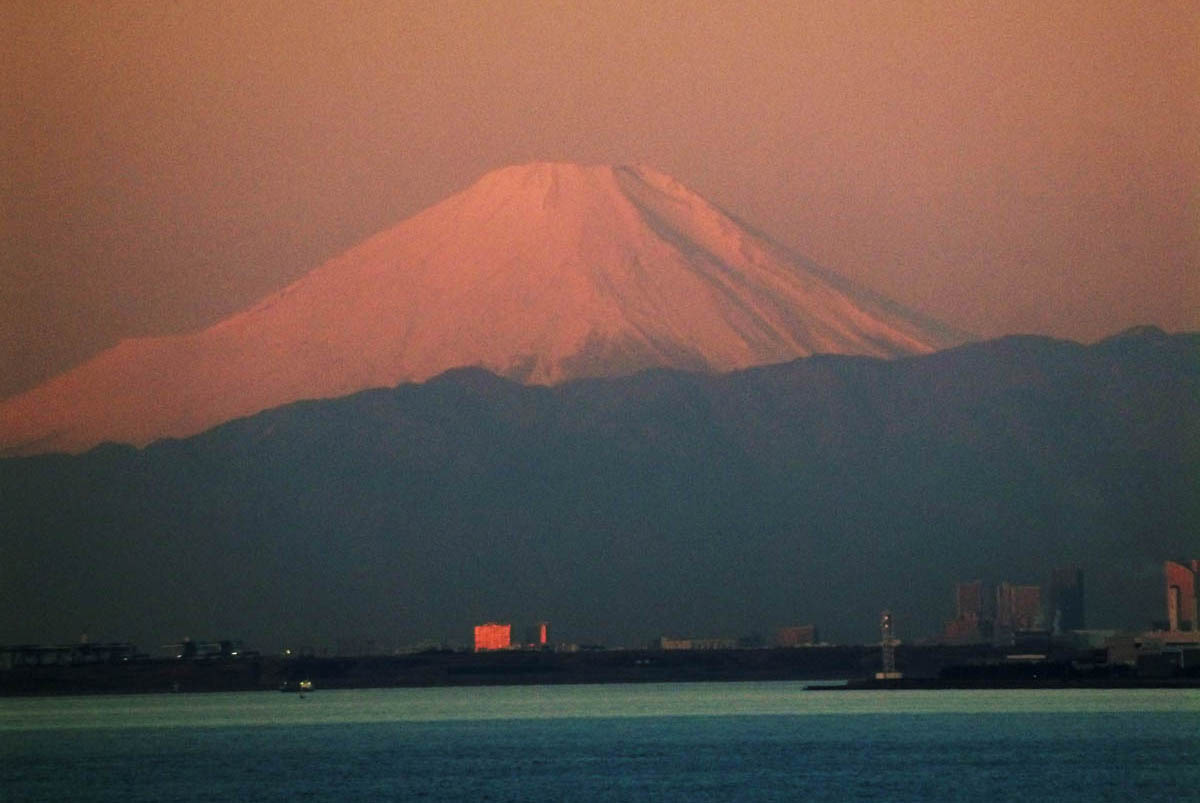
541, 273
815, 491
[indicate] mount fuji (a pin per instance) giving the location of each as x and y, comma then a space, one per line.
539, 273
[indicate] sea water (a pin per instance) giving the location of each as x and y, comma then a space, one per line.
702, 741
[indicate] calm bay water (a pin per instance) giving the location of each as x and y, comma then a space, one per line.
727, 741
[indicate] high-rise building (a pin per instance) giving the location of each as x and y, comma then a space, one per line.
1018, 607
1181, 594
492, 636
1066, 599
971, 623
968, 599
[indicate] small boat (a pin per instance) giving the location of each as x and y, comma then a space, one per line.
300, 686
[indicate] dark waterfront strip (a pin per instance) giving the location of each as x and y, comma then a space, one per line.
923, 667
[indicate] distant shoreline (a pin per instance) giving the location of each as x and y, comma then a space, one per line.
938, 684
924, 667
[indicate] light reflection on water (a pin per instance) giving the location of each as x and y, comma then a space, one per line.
619, 701
673, 742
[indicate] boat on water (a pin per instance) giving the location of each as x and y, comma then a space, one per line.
300, 686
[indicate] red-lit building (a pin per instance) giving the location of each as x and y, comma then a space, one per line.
493, 636
1181, 595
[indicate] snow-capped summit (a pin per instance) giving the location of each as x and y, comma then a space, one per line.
541, 272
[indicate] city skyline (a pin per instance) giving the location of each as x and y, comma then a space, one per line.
984, 614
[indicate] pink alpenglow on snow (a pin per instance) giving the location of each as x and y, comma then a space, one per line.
541, 273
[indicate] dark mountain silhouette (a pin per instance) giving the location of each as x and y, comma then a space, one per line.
819, 490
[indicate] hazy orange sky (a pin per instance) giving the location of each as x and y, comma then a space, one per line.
1006, 167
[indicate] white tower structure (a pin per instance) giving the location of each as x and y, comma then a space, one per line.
887, 644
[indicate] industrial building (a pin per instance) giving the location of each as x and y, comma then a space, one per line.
493, 636
667, 643
796, 636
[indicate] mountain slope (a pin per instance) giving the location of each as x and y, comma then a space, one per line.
821, 490
540, 273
